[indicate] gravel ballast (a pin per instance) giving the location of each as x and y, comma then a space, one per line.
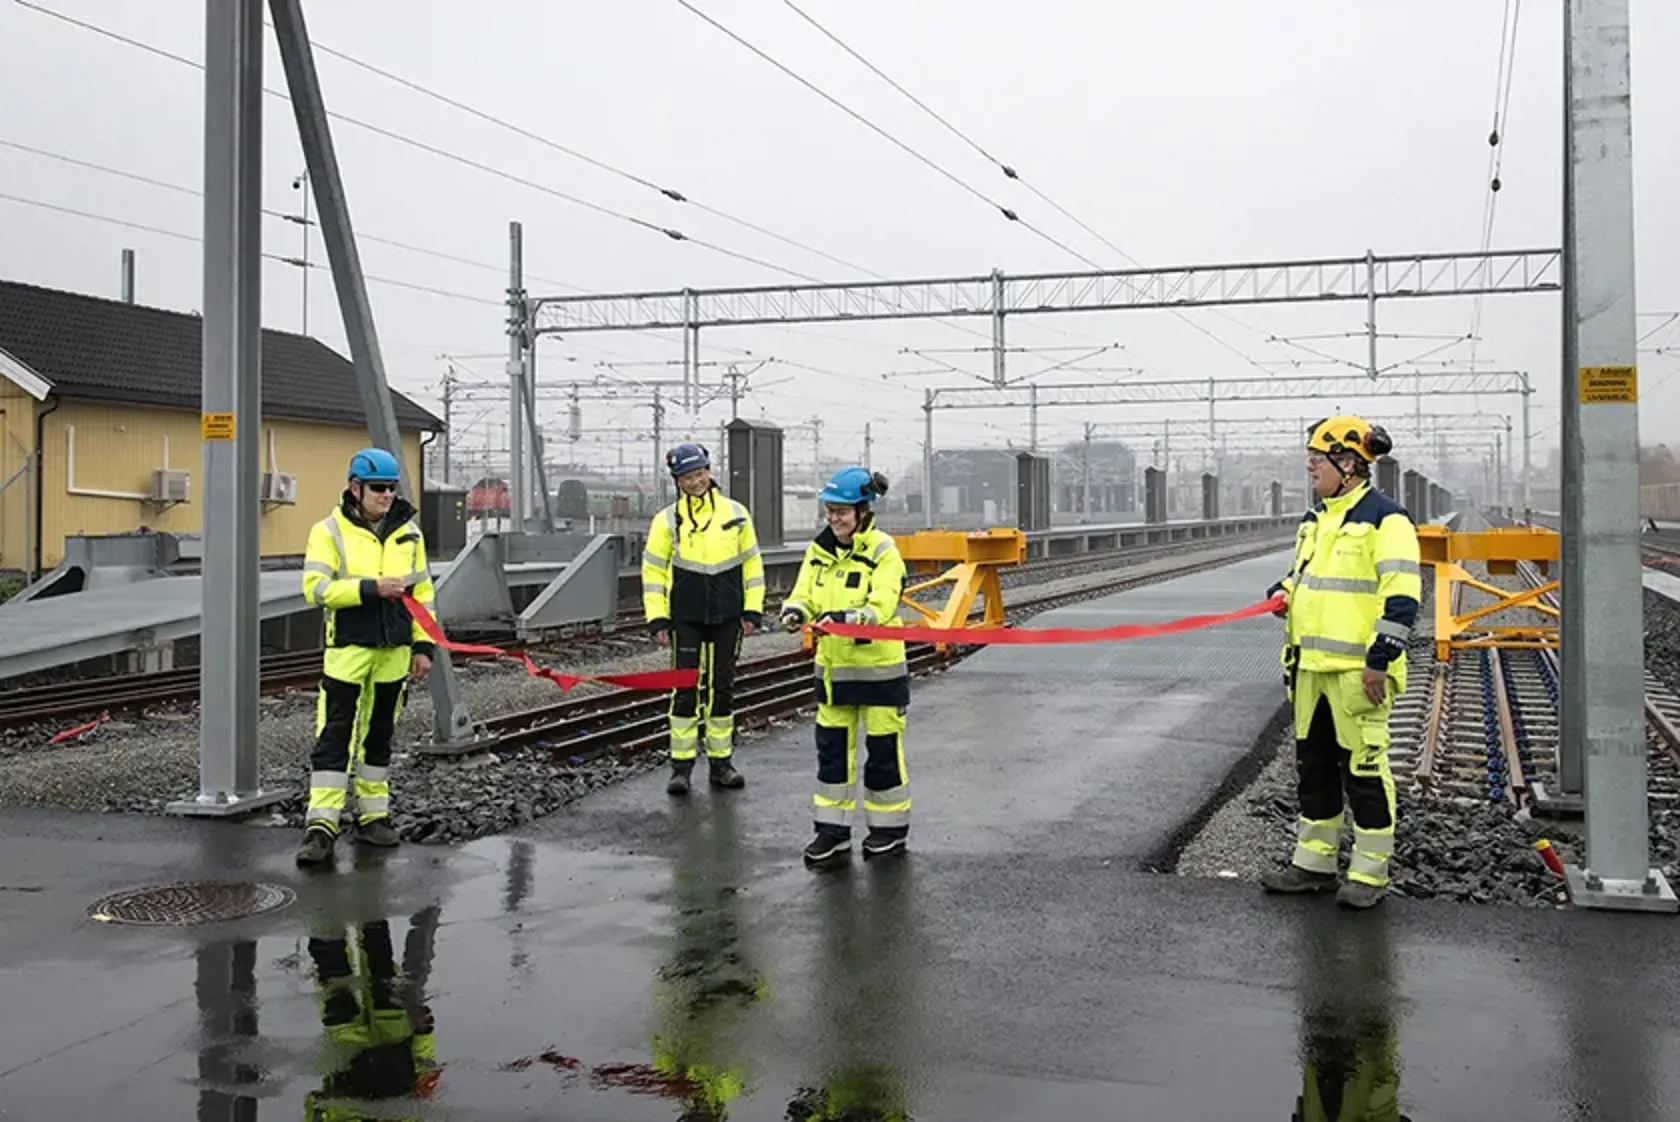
140, 765
1469, 851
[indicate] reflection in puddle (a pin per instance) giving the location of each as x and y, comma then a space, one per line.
1350, 1070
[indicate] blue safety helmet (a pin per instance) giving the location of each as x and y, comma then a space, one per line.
374, 465
853, 485
685, 458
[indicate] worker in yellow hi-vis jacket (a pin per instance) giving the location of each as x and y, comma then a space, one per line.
1352, 596
853, 573
360, 561
702, 591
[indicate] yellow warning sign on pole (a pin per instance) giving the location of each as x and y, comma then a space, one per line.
217, 426
1609, 385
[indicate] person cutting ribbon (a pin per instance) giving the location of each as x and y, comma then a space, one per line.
853, 574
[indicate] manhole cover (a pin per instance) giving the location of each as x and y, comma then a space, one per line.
181, 904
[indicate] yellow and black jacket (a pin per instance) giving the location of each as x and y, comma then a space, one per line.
701, 564
343, 563
1354, 587
858, 583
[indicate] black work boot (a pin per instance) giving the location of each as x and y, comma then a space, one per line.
317, 847
1294, 879
379, 832
1358, 894
678, 783
829, 847
879, 843
720, 772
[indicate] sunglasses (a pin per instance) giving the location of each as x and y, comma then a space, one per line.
380, 488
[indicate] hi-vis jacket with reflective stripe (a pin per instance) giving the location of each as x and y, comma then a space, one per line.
1355, 585
867, 580
701, 563
342, 565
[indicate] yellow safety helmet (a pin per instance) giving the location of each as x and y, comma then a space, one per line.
1348, 433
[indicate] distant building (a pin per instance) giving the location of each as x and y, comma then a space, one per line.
99, 425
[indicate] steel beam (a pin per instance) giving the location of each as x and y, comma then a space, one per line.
1248, 427
586, 592
1229, 389
1571, 669
1320, 280
451, 720
1607, 644
229, 780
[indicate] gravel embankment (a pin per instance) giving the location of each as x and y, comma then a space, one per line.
1462, 850
140, 765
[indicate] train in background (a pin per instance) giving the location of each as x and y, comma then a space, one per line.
575, 500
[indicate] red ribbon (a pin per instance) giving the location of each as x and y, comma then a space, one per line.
649, 680
986, 636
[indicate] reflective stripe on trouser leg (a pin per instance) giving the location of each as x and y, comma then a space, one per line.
1316, 844
720, 737
336, 726
886, 782
835, 798
685, 738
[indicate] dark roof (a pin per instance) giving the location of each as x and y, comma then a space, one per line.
108, 350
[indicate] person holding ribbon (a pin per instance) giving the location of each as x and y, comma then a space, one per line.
853, 574
362, 560
702, 591
1350, 601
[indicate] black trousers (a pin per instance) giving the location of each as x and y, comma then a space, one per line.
1324, 775
705, 710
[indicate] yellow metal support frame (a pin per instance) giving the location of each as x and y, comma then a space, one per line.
1501, 550
974, 558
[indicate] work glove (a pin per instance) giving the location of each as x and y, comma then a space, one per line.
791, 620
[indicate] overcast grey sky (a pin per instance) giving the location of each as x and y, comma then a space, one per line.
1198, 131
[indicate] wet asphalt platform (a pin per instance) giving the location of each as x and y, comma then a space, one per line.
638, 958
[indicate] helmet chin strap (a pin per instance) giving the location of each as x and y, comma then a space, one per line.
1350, 479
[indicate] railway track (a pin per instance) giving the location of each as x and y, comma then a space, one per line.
584, 729
70, 700
1661, 551
1487, 725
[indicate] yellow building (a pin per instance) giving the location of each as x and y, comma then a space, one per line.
99, 425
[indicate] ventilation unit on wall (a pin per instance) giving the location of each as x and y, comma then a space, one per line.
170, 485
279, 488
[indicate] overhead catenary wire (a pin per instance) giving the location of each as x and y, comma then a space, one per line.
160, 52
673, 234
180, 188
1008, 170
455, 157
181, 236
1504, 73
920, 157
670, 193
